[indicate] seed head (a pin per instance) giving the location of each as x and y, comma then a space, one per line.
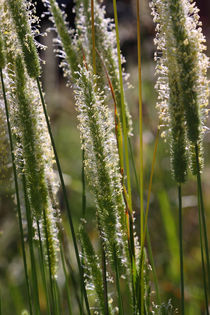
21, 20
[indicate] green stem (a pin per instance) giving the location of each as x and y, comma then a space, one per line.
31, 247
42, 263
104, 280
65, 196
93, 37
181, 248
146, 230
203, 219
66, 281
202, 260
153, 267
53, 304
125, 131
17, 192
120, 304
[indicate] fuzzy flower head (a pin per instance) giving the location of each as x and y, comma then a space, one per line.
182, 83
33, 155
101, 161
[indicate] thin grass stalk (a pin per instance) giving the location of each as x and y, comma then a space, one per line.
152, 263
146, 230
83, 207
141, 175
181, 249
125, 131
146, 217
42, 264
64, 195
57, 297
70, 273
105, 280
31, 248
120, 304
93, 37
17, 192
202, 262
202, 209
53, 304
66, 280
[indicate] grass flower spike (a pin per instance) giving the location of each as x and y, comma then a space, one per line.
33, 155
101, 161
182, 82
20, 16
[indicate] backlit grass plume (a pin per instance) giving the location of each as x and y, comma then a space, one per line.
20, 14
105, 43
33, 154
102, 162
182, 82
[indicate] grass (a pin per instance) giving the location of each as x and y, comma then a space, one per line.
109, 270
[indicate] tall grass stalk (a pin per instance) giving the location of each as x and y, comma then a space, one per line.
181, 249
124, 124
141, 175
17, 192
203, 260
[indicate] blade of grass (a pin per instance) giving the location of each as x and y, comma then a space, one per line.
65, 196
147, 211
17, 192
181, 249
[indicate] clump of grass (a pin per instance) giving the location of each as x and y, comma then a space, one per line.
92, 63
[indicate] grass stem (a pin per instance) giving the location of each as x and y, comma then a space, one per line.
125, 131
203, 219
31, 247
181, 249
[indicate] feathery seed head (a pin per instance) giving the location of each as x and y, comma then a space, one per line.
182, 84
105, 41
101, 160
66, 38
20, 17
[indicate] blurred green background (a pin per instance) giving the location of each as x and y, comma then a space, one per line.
163, 214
